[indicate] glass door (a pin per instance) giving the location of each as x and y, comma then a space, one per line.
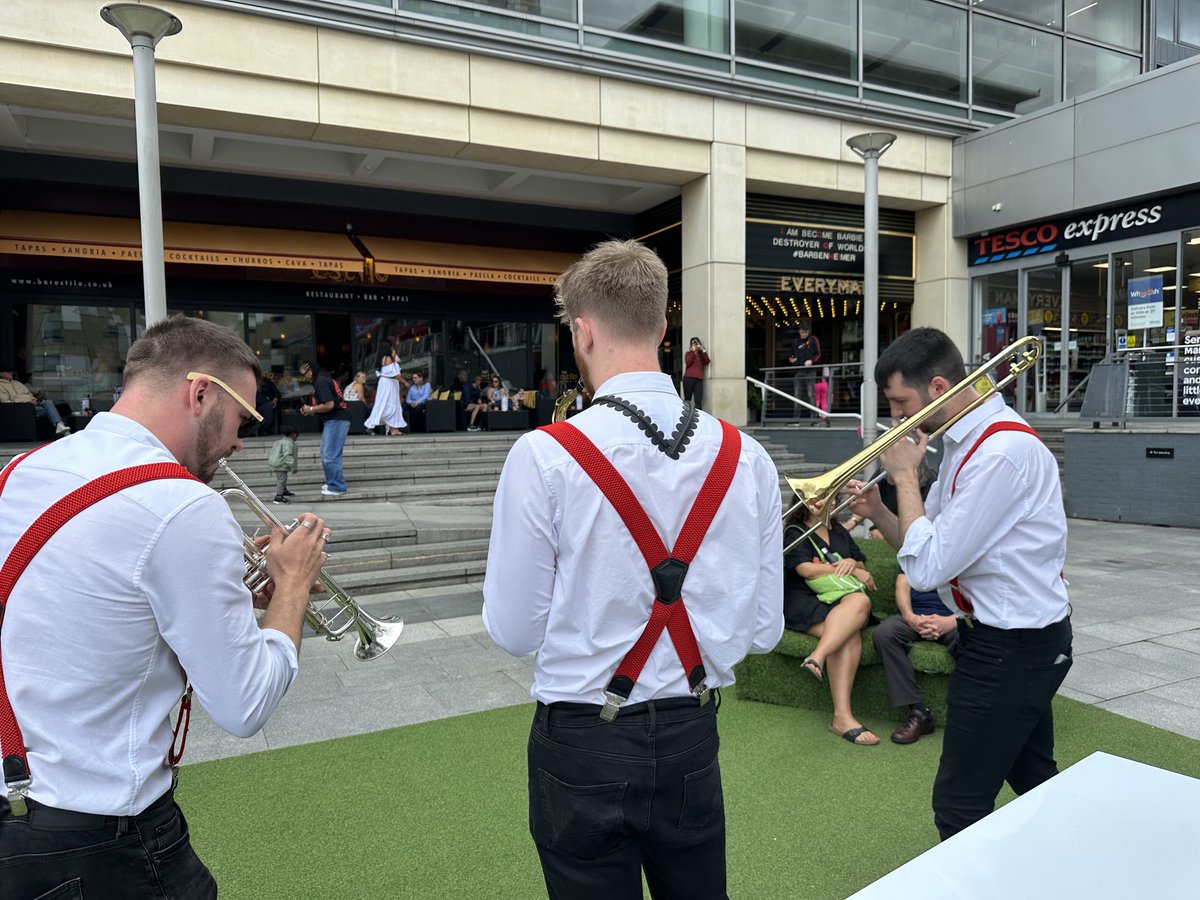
1043, 304
1088, 329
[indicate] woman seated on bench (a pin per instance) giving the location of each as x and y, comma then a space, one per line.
823, 595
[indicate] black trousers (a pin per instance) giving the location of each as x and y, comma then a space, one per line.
999, 722
693, 389
608, 800
49, 854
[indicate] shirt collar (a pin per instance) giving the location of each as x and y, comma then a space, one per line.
126, 427
638, 382
961, 430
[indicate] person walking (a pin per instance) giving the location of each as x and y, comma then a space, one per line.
994, 528
86, 736
327, 404
623, 771
282, 460
693, 373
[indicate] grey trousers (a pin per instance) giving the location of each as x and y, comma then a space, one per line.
893, 638
280, 481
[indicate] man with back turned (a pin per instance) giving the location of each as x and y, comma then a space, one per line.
591, 561
993, 527
107, 622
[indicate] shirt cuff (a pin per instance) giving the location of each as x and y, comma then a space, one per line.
284, 643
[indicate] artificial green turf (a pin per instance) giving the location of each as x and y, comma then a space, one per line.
438, 810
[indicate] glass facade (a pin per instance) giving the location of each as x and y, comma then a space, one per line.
1081, 311
965, 59
70, 352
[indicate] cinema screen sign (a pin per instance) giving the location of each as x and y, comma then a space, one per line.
1083, 229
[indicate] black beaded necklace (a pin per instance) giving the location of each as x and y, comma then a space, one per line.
675, 446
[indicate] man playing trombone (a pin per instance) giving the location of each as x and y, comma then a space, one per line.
131, 578
993, 527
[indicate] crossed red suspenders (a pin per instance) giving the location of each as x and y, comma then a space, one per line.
12, 742
961, 600
667, 570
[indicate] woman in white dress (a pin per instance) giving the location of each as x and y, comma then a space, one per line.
388, 410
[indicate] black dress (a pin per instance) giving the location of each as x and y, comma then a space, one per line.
801, 608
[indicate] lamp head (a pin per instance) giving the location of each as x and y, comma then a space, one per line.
138, 20
873, 143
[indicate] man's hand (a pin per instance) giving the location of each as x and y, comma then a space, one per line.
791, 360
866, 503
808, 362
903, 459
932, 628
295, 558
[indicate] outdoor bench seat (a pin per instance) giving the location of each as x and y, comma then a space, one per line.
777, 677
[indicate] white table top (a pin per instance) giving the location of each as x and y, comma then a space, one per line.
1107, 827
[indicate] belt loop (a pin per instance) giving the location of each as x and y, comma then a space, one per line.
546, 727
123, 823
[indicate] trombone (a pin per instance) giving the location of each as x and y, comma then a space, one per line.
819, 493
375, 636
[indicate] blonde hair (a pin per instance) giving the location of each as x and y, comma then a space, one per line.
168, 350
623, 284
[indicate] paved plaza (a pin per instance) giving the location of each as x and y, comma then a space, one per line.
1136, 613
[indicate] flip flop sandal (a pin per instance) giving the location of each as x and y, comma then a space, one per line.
854, 734
813, 668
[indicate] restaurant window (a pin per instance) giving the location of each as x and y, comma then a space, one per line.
282, 342
415, 344
503, 347
72, 352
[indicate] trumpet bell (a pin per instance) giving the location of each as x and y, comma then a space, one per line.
381, 634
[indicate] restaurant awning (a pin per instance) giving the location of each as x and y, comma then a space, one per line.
427, 259
27, 233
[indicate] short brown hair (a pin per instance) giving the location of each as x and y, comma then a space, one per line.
168, 350
621, 283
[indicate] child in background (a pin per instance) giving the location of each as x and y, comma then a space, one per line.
283, 460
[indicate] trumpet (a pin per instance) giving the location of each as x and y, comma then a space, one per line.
820, 492
332, 615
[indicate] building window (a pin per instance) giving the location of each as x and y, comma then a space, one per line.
916, 46
696, 24
1189, 22
1014, 68
1117, 22
1039, 12
1091, 68
821, 36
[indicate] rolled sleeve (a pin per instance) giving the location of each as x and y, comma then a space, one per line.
238, 671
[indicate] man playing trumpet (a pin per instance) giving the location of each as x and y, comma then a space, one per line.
110, 612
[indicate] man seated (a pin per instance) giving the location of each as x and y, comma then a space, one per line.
418, 395
12, 391
473, 401
920, 616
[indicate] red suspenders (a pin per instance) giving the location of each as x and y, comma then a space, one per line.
12, 742
667, 570
961, 600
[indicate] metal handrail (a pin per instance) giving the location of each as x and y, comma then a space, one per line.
1075, 390
762, 409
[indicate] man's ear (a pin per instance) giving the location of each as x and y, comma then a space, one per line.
662, 333
582, 335
938, 385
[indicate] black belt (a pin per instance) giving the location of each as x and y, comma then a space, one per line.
49, 818
665, 704
1016, 635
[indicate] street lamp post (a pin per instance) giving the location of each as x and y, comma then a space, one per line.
144, 26
869, 147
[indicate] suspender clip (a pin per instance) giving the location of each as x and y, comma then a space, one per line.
612, 706
16, 798
702, 693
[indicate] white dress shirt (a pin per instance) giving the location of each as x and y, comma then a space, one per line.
1004, 531
566, 580
119, 603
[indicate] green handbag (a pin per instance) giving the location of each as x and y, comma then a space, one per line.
832, 588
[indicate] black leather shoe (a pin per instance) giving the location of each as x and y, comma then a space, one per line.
912, 728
